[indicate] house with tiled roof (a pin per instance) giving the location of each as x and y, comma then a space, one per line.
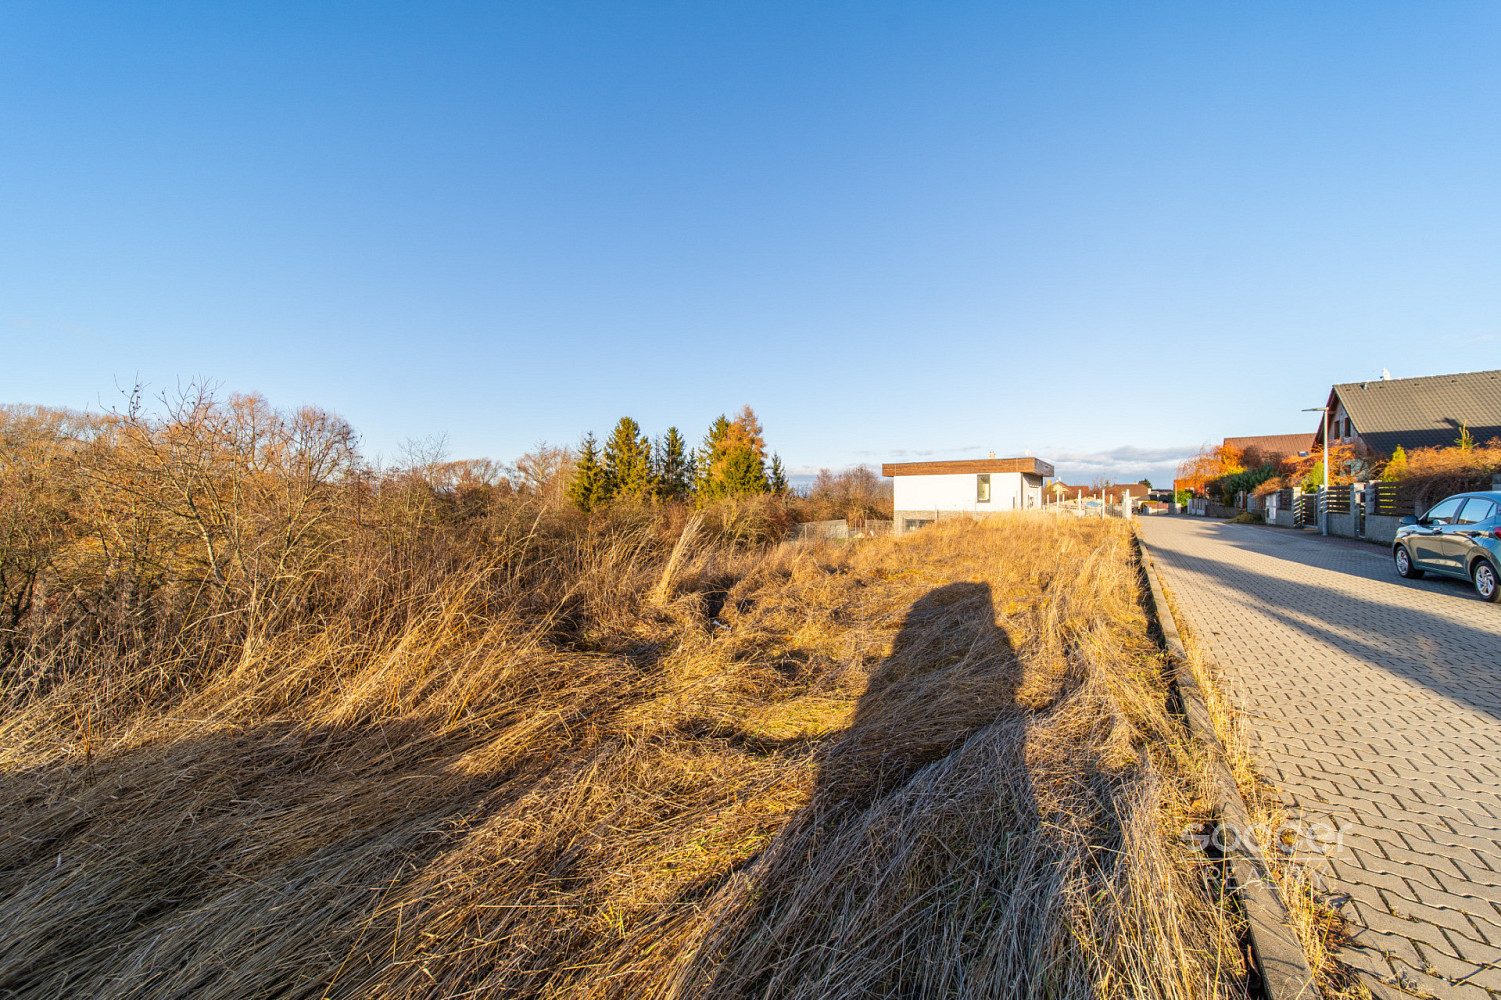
1113, 493
1378, 416
1272, 447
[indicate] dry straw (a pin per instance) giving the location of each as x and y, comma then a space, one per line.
606, 763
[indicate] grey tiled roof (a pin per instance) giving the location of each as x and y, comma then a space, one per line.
1423, 412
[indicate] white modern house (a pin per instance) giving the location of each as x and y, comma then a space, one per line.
924, 492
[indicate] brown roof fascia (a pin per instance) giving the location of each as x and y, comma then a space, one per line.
1035, 466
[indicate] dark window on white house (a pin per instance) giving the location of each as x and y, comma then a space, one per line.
1348, 428
982, 488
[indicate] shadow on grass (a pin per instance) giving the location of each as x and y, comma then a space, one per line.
921, 794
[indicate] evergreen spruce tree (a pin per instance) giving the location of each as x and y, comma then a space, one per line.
778, 476
742, 472
732, 460
628, 464
710, 455
673, 466
589, 487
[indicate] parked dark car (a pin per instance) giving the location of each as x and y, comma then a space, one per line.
1459, 536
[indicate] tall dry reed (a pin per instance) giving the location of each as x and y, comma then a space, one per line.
610, 761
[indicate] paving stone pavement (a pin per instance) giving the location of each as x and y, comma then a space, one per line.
1373, 701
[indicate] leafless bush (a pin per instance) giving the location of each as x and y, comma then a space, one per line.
857, 494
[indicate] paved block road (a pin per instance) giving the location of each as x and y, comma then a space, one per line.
1375, 702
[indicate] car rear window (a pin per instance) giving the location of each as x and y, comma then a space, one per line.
1476, 509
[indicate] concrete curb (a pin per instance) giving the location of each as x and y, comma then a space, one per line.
1285, 972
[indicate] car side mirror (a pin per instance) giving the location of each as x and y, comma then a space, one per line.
1408, 520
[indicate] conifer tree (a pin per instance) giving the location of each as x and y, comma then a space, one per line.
732, 460
673, 466
747, 427
778, 476
627, 462
710, 454
589, 487
741, 472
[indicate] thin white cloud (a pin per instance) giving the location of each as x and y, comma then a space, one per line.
1124, 464
918, 453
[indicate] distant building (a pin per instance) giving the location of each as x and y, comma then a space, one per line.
1272, 447
924, 492
1114, 493
1382, 414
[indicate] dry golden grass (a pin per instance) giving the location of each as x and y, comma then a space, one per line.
606, 766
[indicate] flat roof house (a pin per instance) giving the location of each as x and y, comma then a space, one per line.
924, 492
1379, 415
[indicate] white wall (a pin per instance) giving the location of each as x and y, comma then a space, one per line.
1008, 491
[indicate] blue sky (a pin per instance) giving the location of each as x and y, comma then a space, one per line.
1103, 232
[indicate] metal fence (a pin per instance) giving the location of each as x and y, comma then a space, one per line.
1091, 508
838, 530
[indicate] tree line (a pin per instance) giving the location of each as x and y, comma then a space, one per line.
200, 506
730, 461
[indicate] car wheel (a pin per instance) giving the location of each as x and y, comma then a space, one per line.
1486, 583
1405, 566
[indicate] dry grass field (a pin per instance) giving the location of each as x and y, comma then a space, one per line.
628, 762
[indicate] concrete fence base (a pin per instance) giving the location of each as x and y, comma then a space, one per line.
1381, 528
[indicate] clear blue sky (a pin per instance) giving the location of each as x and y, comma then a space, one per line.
1106, 232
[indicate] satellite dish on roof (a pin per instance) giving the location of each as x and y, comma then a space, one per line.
1386, 376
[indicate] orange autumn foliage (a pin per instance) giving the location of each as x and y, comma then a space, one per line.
1197, 472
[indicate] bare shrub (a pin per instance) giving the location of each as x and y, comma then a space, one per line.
545, 471
857, 494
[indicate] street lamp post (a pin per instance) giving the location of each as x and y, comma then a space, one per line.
1324, 506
